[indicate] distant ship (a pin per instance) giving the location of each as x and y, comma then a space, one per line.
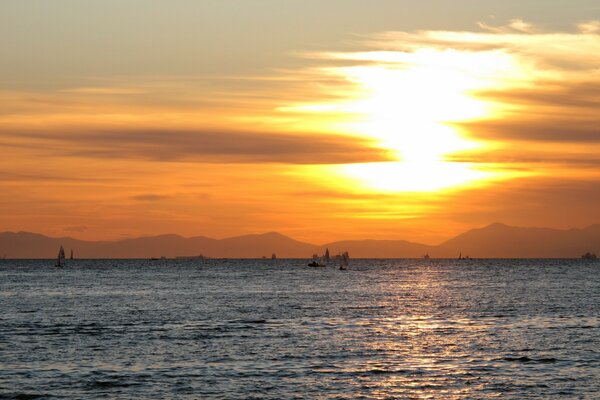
60, 259
273, 256
589, 256
426, 256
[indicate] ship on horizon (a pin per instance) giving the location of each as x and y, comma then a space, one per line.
589, 256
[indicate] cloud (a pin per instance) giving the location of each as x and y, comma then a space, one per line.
514, 25
109, 91
21, 176
149, 197
567, 96
589, 27
545, 89
557, 51
206, 146
545, 129
522, 159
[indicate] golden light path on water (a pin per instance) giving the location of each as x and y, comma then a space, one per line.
409, 103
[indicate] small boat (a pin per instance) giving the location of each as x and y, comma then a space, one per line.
316, 264
273, 256
71, 254
589, 256
320, 262
60, 259
426, 256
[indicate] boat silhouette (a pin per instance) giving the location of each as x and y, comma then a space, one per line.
60, 259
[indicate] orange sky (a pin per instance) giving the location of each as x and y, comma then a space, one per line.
414, 134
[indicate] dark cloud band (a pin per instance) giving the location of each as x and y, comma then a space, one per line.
205, 146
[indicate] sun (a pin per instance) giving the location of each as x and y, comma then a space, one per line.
409, 104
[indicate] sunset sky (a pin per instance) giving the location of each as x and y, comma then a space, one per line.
322, 120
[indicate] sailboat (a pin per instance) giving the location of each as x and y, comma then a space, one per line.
326, 256
60, 259
344, 258
71, 254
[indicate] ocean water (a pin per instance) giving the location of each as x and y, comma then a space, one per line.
277, 329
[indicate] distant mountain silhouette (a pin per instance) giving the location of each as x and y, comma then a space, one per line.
33, 245
493, 241
499, 240
263, 245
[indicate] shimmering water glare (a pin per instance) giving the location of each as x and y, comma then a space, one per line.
278, 329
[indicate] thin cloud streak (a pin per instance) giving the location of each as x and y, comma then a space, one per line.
150, 197
204, 146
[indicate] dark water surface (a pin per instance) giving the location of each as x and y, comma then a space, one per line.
418, 329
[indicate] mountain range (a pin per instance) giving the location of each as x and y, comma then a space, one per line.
493, 241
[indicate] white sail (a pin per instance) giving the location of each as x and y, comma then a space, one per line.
60, 260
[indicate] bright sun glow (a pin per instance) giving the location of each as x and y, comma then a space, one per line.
414, 176
407, 102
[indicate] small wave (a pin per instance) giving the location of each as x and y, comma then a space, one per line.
379, 371
525, 359
101, 384
250, 321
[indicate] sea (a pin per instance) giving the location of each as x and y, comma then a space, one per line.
278, 329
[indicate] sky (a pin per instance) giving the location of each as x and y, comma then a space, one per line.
322, 120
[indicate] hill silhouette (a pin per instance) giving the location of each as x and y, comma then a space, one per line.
33, 245
499, 240
493, 241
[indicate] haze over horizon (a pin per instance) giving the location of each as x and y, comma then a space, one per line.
325, 121
75, 235
492, 241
